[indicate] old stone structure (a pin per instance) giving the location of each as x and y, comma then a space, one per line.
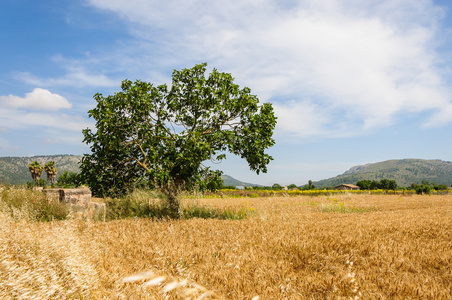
79, 202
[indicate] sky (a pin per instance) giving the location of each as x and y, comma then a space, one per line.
352, 82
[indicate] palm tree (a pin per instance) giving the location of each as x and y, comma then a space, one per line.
51, 171
36, 170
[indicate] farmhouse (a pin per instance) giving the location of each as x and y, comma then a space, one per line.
346, 187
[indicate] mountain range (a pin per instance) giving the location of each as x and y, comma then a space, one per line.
230, 181
403, 171
14, 170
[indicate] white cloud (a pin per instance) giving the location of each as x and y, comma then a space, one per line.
38, 99
303, 119
39, 109
347, 65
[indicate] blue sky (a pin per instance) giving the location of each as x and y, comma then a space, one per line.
352, 82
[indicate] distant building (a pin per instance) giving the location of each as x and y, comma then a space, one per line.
240, 187
347, 187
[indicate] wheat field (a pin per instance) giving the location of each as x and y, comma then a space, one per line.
341, 247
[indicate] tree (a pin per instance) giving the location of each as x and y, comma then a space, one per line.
387, 184
423, 189
161, 136
364, 184
392, 185
35, 169
374, 185
51, 171
292, 186
276, 186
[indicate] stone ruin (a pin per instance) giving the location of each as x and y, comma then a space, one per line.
79, 202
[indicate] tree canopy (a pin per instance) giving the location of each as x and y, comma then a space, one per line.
384, 184
148, 134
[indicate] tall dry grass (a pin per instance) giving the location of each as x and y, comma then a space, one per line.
342, 247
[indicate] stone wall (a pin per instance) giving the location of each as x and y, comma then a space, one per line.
79, 202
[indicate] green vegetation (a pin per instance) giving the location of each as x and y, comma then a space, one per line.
30, 205
51, 171
69, 179
153, 205
35, 169
384, 184
159, 136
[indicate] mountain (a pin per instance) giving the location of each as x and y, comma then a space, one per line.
14, 170
403, 171
229, 181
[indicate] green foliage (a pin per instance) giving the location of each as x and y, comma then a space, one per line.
129, 207
51, 171
364, 184
423, 189
38, 183
50, 167
161, 135
69, 179
440, 187
35, 169
384, 184
307, 187
149, 204
276, 187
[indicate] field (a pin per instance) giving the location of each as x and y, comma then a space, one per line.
325, 247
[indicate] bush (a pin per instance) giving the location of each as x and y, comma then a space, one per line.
423, 189
151, 204
139, 204
40, 182
69, 179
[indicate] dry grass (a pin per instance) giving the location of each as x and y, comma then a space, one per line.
361, 246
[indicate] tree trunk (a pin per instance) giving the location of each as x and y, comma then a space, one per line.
172, 191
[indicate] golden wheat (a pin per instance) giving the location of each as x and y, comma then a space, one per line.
381, 247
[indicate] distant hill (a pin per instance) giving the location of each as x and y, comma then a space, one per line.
229, 181
14, 170
403, 171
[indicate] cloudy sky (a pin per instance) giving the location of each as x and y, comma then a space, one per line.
352, 82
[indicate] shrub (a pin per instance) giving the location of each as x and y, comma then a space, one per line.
68, 179
151, 204
423, 189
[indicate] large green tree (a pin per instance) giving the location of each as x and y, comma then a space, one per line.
160, 134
